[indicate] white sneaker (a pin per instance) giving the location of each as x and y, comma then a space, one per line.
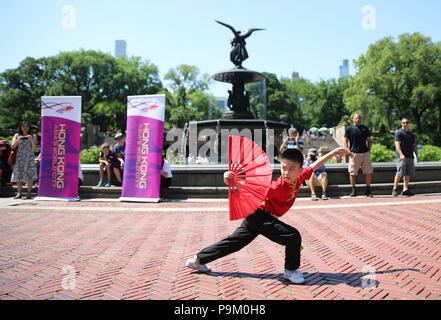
197, 266
294, 276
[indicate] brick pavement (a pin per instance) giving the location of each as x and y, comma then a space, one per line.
379, 248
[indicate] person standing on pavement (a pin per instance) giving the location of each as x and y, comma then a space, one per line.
405, 148
24, 169
358, 142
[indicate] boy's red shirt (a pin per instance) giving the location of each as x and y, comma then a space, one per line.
282, 195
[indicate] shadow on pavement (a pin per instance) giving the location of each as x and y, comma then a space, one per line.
358, 279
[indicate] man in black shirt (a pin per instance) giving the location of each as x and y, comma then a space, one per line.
405, 146
360, 153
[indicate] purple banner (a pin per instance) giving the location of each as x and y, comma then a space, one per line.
143, 154
60, 148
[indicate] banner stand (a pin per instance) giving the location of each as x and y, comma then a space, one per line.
144, 144
132, 199
56, 199
60, 148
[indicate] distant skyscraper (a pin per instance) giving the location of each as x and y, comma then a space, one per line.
344, 69
295, 75
120, 48
221, 102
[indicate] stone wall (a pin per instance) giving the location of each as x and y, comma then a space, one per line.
212, 175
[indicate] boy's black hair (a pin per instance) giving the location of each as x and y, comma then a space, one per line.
294, 155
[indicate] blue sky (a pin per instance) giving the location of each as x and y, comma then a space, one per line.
311, 37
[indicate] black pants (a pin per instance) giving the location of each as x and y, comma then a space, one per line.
260, 222
165, 182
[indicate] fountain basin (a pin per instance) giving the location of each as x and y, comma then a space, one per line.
238, 75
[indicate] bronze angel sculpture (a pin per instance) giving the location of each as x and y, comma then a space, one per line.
238, 51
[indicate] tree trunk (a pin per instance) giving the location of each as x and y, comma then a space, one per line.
417, 117
439, 114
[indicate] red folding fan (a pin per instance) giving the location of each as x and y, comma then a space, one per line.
252, 176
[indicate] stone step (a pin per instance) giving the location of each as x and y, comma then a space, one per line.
91, 192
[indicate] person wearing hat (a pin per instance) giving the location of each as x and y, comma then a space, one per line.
120, 148
319, 178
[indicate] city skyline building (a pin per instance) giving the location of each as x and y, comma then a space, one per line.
344, 69
221, 102
120, 48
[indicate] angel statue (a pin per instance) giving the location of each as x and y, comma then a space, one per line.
238, 52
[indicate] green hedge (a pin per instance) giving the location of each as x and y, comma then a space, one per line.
90, 156
380, 153
430, 153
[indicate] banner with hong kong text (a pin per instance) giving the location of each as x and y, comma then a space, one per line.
60, 148
143, 153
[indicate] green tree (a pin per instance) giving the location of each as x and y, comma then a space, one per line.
280, 105
206, 104
319, 104
102, 81
189, 100
184, 80
21, 90
399, 79
135, 76
330, 106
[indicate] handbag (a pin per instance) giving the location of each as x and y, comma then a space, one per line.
11, 159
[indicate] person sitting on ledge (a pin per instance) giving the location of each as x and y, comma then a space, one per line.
319, 178
108, 160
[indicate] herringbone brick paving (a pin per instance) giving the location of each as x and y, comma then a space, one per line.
380, 248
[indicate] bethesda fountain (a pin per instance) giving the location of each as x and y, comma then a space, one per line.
210, 137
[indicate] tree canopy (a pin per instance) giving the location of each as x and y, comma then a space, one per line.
399, 79
393, 79
102, 81
189, 99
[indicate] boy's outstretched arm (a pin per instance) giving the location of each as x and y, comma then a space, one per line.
336, 152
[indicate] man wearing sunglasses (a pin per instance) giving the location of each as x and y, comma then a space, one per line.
406, 147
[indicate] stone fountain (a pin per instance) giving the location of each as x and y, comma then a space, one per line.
210, 138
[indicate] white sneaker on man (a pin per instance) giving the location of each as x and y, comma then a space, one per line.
197, 266
294, 276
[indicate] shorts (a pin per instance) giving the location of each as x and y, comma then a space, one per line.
317, 180
115, 164
406, 168
362, 160
165, 182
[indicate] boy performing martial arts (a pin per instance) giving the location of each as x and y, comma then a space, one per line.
265, 220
